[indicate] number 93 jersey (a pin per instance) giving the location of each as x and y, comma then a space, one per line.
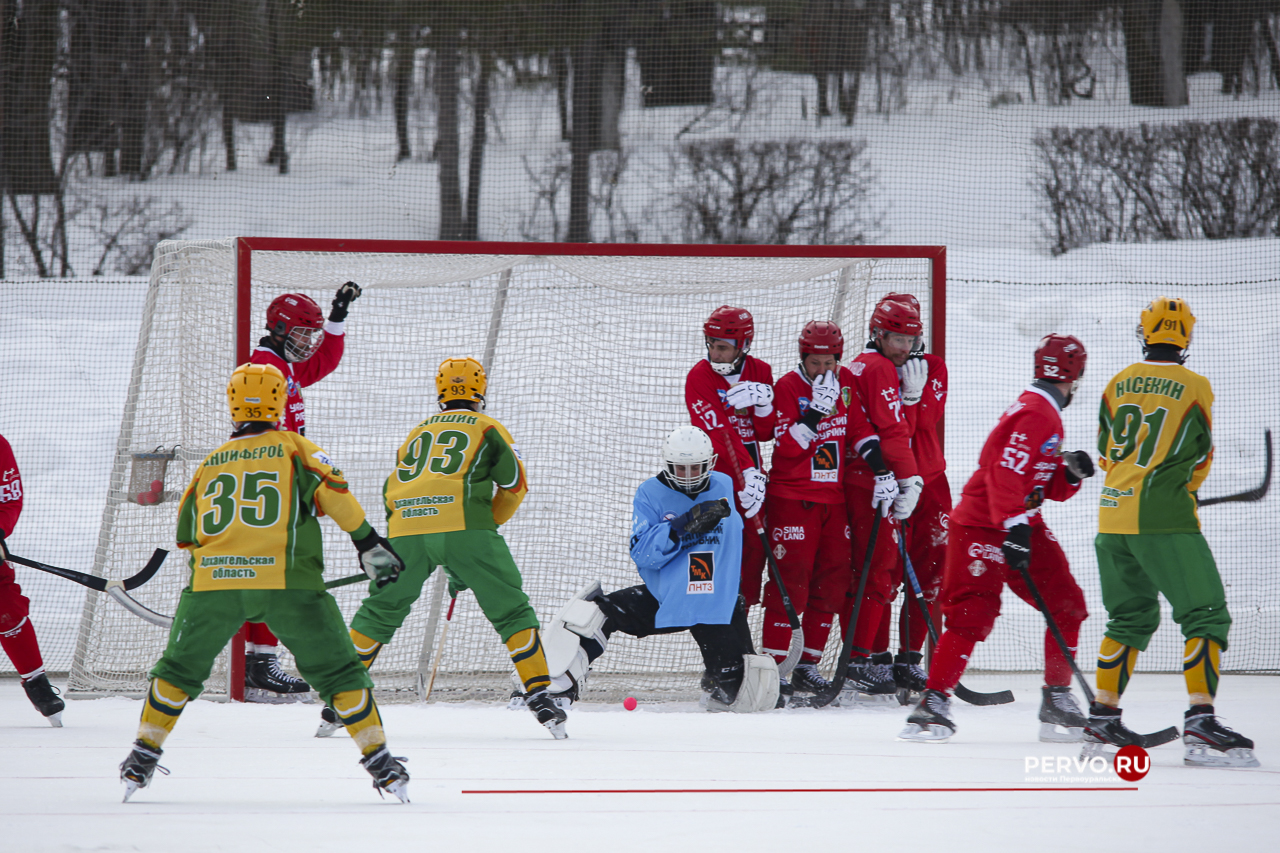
249, 518
446, 473
1156, 445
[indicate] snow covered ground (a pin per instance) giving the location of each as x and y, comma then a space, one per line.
247, 777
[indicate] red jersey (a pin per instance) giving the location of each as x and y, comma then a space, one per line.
300, 375
1019, 467
923, 418
10, 488
813, 473
704, 391
875, 380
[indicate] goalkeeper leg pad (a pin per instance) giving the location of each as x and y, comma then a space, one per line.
575, 637
759, 690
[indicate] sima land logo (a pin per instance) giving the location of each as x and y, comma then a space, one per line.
1131, 763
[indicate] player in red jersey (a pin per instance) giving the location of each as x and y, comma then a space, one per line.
923, 378
17, 634
729, 395
997, 528
870, 477
818, 418
306, 349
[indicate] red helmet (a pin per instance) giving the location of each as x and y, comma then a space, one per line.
897, 315
293, 309
1060, 358
729, 323
821, 337
905, 298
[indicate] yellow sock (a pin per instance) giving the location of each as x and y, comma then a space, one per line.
531, 663
366, 647
1200, 668
160, 712
1115, 665
359, 713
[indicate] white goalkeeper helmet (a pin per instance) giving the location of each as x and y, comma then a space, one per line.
687, 458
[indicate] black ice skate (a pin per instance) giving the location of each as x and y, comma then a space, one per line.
265, 682
1105, 729
805, 678
1061, 720
868, 683
388, 773
929, 722
329, 722
136, 770
786, 693
45, 697
1211, 744
551, 715
909, 679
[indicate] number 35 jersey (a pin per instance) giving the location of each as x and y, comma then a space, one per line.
1156, 445
249, 518
458, 470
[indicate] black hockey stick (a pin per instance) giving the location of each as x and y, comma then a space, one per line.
797, 633
823, 699
100, 584
1253, 494
973, 697
1146, 741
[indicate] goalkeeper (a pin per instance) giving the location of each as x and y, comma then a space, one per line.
250, 521
458, 477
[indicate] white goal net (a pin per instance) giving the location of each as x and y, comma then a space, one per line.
586, 356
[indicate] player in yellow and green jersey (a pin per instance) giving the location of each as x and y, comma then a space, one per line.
1155, 442
458, 477
250, 522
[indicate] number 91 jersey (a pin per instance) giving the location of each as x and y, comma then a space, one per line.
446, 472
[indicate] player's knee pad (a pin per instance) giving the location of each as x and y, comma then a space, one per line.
575, 637
759, 690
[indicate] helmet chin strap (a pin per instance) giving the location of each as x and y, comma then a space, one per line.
729, 369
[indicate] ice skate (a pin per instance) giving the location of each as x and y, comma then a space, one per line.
136, 770
1211, 744
329, 722
551, 715
266, 683
1061, 720
805, 678
868, 683
45, 697
909, 679
1104, 729
388, 773
929, 722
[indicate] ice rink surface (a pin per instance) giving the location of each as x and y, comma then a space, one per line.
252, 777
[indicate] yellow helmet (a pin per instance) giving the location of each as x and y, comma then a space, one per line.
256, 392
461, 379
1167, 321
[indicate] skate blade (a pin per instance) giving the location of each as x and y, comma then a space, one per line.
928, 734
1097, 749
400, 789
1204, 756
130, 788
327, 729
55, 720
259, 696
1054, 733
557, 730
858, 699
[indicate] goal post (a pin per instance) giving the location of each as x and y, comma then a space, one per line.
586, 348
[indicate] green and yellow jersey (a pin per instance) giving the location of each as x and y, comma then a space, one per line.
446, 474
1155, 442
249, 518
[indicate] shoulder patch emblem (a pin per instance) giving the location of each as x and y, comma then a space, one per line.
977, 567
846, 395
1050, 447
857, 367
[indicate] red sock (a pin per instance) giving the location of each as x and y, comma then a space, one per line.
1057, 672
949, 661
22, 648
864, 634
919, 629
817, 627
881, 643
775, 637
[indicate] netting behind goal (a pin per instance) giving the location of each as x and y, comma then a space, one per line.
586, 356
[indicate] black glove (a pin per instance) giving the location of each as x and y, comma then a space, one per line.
4, 553
378, 559
700, 518
1079, 465
1017, 547
347, 294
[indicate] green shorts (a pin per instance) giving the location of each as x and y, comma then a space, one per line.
478, 560
1136, 567
307, 621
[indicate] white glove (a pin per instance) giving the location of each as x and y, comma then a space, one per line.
757, 395
886, 492
752, 494
826, 390
802, 434
913, 374
908, 495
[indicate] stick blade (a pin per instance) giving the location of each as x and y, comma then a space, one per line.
973, 697
148, 571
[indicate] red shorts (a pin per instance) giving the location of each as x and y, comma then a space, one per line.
14, 606
976, 574
810, 541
